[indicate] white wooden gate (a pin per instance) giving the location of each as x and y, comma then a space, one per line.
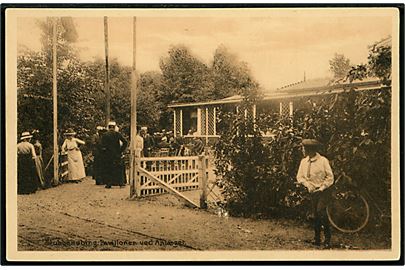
158, 175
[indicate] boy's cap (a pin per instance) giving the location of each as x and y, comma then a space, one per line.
309, 142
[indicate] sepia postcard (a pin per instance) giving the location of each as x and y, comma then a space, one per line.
202, 134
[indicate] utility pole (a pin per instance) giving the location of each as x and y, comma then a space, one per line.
107, 73
133, 162
55, 106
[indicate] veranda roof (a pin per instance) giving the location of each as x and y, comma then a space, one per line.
299, 89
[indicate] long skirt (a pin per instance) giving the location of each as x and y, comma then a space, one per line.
27, 180
75, 165
39, 165
98, 165
114, 172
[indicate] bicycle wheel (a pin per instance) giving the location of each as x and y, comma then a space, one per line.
348, 212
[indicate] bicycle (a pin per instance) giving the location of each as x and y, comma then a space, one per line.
348, 210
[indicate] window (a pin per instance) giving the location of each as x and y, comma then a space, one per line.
189, 120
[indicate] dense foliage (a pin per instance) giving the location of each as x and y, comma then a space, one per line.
81, 97
186, 78
258, 174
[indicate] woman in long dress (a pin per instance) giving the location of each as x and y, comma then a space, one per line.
71, 144
27, 181
39, 162
114, 145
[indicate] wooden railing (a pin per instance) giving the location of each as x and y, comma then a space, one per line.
63, 166
159, 175
180, 173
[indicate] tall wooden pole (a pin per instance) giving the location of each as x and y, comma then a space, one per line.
107, 73
55, 107
133, 161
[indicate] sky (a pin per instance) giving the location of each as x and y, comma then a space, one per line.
278, 49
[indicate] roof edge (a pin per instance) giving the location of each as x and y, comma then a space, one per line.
287, 93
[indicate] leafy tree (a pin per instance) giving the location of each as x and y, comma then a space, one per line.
379, 63
339, 66
76, 90
65, 35
149, 106
34, 95
228, 74
185, 78
120, 87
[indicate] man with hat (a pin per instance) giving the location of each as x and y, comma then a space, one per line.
198, 146
139, 142
148, 142
27, 181
113, 145
316, 175
163, 143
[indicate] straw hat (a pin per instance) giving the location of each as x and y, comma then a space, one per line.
25, 135
100, 128
70, 131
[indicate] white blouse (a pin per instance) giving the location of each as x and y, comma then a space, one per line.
73, 144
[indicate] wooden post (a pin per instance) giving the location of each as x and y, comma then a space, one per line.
254, 116
215, 120
199, 121
174, 123
107, 73
133, 159
206, 126
181, 122
291, 112
254, 111
290, 107
202, 181
55, 106
137, 180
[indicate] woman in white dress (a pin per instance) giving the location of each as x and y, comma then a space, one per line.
75, 159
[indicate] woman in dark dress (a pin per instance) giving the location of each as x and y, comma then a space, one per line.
113, 145
27, 179
98, 164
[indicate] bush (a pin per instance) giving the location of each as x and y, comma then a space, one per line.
258, 175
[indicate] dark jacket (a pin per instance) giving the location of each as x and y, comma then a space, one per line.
110, 143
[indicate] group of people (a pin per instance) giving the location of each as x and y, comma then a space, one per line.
314, 171
109, 167
165, 143
109, 146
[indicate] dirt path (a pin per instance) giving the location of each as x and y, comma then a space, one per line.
88, 217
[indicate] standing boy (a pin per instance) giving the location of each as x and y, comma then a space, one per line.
316, 175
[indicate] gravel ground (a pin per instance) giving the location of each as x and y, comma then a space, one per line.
84, 216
